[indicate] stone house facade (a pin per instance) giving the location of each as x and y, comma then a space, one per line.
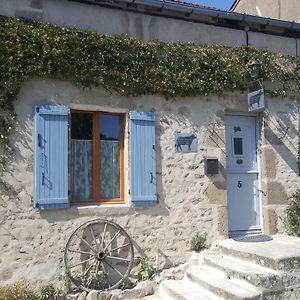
256, 152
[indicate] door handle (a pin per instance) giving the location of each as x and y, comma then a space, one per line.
261, 191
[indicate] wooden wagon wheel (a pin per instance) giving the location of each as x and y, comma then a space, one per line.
99, 255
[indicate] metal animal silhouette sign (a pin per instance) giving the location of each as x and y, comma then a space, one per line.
256, 100
186, 142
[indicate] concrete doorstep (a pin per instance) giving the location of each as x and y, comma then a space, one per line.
240, 271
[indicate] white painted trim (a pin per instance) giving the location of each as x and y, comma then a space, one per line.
89, 107
245, 114
239, 233
230, 171
259, 172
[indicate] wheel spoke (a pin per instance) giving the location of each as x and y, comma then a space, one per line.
86, 271
82, 262
102, 264
97, 267
83, 240
93, 235
108, 283
117, 248
81, 252
112, 239
117, 271
118, 258
103, 235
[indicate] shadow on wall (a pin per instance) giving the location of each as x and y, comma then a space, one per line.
281, 138
14, 190
219, 180
23, 138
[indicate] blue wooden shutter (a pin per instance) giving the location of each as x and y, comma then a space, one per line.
142, 158
51, 157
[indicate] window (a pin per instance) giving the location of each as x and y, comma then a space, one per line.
96, 157
79, 158
238, 146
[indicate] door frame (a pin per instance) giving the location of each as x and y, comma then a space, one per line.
258, 147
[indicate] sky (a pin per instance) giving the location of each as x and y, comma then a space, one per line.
222, 4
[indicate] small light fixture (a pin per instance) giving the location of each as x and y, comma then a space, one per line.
254, 69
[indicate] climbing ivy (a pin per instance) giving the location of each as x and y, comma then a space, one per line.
125, 65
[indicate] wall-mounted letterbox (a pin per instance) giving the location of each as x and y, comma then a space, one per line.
211, 165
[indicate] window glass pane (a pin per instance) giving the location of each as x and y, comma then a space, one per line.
82, 126
81, 156
238, 146
109, 156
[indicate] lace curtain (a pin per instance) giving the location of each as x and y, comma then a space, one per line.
82, 169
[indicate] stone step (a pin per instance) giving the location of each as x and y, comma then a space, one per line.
281, 254
261, 277
184, 290
218, 283
158, 297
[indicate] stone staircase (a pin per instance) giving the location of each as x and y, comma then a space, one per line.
240, 271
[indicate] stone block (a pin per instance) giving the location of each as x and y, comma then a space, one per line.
6, 274
222, 217
72, 296
269, 163
270, 220
98, 295
276, 193
82, 296
143, 289
217, 192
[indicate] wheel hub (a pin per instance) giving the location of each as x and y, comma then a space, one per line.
100, 255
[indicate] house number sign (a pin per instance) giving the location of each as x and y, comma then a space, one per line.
240, 184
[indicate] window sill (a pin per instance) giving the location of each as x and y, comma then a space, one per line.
101, 210
100, 203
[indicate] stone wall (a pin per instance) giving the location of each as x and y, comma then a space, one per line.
280, 144
32, 242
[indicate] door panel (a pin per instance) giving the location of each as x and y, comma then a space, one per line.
242, 210
241, 144
242, 173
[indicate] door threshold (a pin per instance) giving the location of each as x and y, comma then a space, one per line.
241, 233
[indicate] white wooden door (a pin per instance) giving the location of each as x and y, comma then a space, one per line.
244, 211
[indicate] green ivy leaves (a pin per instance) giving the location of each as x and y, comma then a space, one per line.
127, 66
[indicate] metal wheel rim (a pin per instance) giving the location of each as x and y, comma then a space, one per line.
84, 226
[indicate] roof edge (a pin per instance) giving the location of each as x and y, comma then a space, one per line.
210, 16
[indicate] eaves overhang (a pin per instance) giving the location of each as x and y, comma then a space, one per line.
201, 14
